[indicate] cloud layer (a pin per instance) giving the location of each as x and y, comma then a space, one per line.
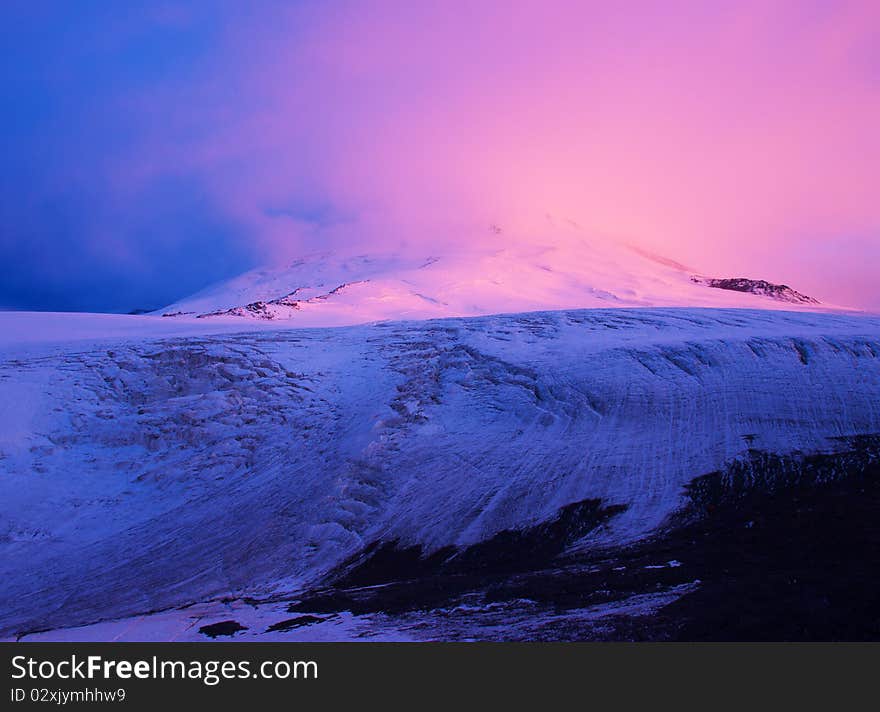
740, 139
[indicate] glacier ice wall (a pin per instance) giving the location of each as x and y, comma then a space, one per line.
142, 473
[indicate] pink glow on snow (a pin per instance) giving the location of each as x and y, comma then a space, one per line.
738, 139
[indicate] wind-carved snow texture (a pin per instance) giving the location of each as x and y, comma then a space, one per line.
143, 474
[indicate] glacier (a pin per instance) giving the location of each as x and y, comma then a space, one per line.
164, 465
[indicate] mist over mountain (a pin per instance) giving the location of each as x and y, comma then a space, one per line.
557, 267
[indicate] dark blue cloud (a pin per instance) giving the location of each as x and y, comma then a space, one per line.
63, 69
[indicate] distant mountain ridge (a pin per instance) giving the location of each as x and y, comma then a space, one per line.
492, 273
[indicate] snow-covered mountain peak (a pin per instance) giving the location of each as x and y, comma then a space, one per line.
498, 273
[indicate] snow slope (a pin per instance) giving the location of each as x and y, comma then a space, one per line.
147, 468
562, 269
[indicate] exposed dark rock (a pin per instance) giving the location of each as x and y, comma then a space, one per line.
780, 292
772, 548
262, 309
292, 623
419, 579
222, 628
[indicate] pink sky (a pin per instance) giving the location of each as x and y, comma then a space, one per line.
739, 138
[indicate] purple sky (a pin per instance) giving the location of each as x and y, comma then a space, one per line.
152, 148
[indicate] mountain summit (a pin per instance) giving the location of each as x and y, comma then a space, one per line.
488, 276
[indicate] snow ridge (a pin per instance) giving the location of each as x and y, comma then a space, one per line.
280, 308
502, 272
